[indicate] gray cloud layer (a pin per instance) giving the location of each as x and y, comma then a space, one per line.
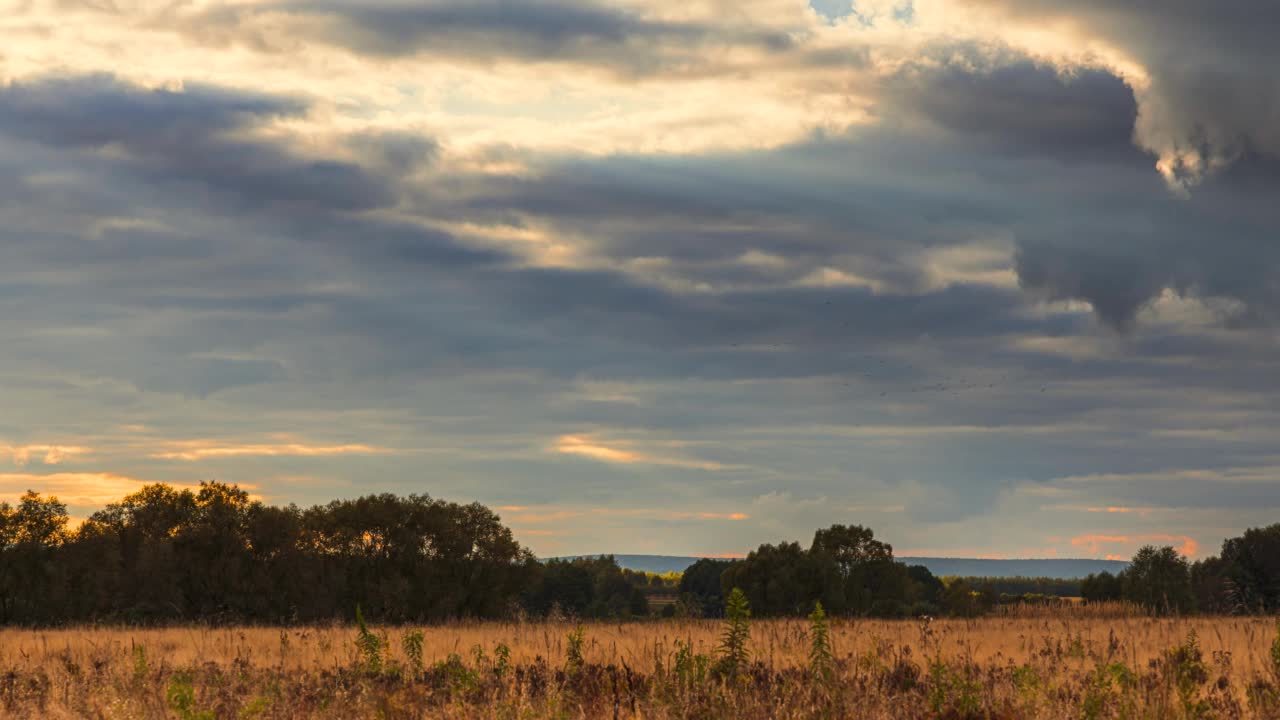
1212, 90
858, 313
480, 31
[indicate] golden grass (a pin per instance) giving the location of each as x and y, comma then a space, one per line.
319, 672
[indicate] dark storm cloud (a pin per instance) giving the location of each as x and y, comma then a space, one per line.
1219, 245
1020, 105
1213, 92
1212, 95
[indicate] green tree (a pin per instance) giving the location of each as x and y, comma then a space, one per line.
1251, 564
1101, 587
780, 579
1159, 579
39, 521
961, 600
585, 587
31, 534
700, 586
851, 546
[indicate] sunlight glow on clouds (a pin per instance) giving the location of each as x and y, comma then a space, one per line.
48, 454
91, 490
193, 450
1095, 543
615, 452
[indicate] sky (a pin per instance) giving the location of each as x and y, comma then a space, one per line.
996, 278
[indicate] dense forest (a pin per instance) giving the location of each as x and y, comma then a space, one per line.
214, 554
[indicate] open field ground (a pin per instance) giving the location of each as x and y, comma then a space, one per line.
1071, 665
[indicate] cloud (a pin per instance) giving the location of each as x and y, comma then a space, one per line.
1013, 102
83, 490
1094, 543
1205, 95
623, 38
49, 454
192, 450
187, 136
98, 111
615, 452
848, 265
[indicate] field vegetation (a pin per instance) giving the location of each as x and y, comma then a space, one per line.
1095, 662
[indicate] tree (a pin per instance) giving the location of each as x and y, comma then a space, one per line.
31, 534
1213, 588
867, 579
926, 591
1159, 579
144, 527
585, 587
851, 546
780, 579
700, 586
39, 521
1101, 587
1251, 563
960, 600
216, 554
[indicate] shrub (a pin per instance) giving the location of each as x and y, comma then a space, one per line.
368, 645
411, 643
734, 647
821, 659
181, 695
573, 651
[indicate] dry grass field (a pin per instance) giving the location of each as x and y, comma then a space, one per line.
1070, 664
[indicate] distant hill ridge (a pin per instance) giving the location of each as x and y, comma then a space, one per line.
1066, 568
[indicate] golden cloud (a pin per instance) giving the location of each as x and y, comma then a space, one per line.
192, 450
49, 454
77, 489
617, 452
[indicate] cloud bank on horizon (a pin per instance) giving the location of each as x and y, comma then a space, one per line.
993, 277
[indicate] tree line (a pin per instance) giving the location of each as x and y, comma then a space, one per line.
851, 573
1244, 578
166, 554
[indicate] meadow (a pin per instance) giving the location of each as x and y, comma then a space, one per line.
1071, 663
